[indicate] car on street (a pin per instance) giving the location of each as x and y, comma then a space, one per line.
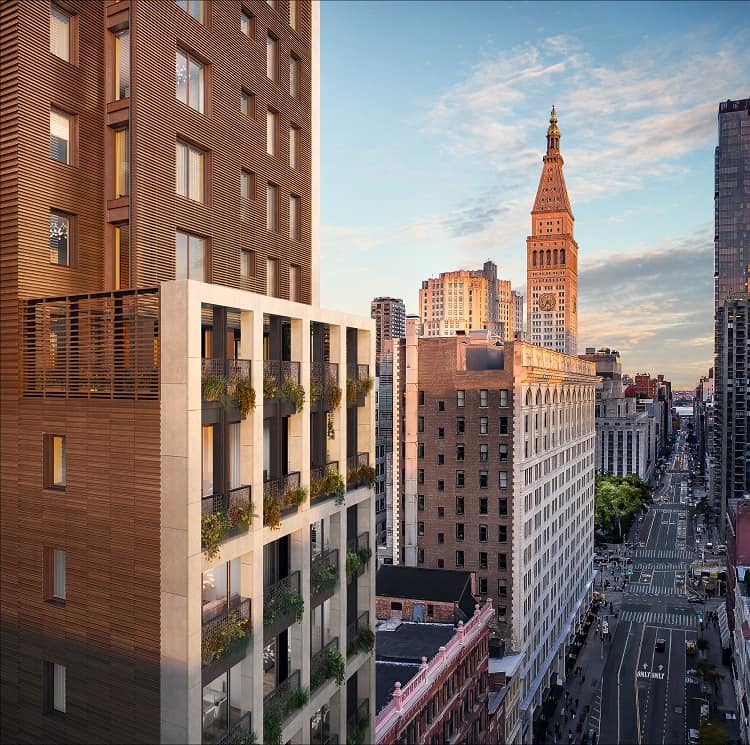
690, 646
661, 645
721, 548
695, 599
599, 596
709, 546
693, 737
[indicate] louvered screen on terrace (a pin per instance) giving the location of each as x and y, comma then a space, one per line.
103, 345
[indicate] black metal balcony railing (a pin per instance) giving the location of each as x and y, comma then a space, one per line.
226, 632
235, 507
283, 605
357, 722
358, 383
282, 701
324, 576
324, 377
359, 636
239, 731
358, 471
321, 666
230, 371
275, 372
325, 484
358, 555
281, 496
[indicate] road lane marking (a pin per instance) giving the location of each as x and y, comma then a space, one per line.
619, 678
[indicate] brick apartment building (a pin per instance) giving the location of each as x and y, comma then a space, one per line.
180, 479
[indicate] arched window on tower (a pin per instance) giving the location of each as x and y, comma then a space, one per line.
533, 258
554, 261
549, 258
562, 256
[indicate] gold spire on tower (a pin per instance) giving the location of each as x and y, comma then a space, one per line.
552, 130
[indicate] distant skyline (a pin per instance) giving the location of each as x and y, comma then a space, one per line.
433, 128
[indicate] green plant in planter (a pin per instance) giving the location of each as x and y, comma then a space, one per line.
273, 720
222, 639
212, 387
214, 527
336, 665
245, 396
357, 735
334, 397
351, 392
240, 737
295, 496
364, 385
316, 391
270, 389
293, 392
298, 698
240, 516
365, 640
271, 512
323, 578
353, 563
331, 482
364, 554
281, 604
367, 475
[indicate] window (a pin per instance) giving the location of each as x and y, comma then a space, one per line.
420, 556
122, 162
54, 462
441, 485
53, 681
441, 459
503, 425
60, 33
247, 24
247, 185
420, 398
54, 575
420, 475
420, 502
441, 512
295, 218
60, 136
247, 262
122, 256
190, 76
60, 238
483, 399
294, 76
483, 506
190, 257
430, 608
247, 103
459, 452
484, 451
420, 446
194, 7
483, 425
483, 534
503, 452
502, 561
420, 528
122, 64
272, 4
483, 479
272, 208
441, 433
460, 425
502, 587
502, 480
482, 560
272, 277
459, 478
189, 172
483, 585
441, 405
459, 558
272, 132
440, 563
459, 505
293, 14
502, 533
272, 58
420, 426
460, 398
441, 537
295, 282
503, 397
503, 506
293, 146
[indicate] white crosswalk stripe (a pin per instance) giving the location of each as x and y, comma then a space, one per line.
657, 567
648, 589
655, 553
681, 620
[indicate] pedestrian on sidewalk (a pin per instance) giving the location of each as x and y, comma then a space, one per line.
583, 678
576, 703
570, 735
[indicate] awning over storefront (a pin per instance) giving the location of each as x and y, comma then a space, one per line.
723, 626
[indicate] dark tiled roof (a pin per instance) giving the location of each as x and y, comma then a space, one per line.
412, 641
386, 676
416, 583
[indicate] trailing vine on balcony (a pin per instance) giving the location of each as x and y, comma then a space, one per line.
222, 638
245, 397
212, 387
283, 602
214, 527
324, 577
331, 482
293, 392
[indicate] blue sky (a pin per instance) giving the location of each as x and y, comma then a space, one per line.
433, 124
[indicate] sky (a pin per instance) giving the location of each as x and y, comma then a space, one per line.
433, 126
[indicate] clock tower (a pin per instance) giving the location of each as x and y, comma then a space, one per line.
552, 257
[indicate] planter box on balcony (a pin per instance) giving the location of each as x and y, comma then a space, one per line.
220, 650
283, 605
324, 571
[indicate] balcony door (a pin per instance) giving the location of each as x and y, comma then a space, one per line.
207, 460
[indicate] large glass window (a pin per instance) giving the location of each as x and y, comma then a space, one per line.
195, 8
190, 75
294, 76
295, 228
60, 135
190, 257
272, 57
293, 14
272, 277
54, 685
54, 575
60, 33
122, 163
55, 466
247, 262
60, 238
122, 64
222, 704
295, 274
247, 24
272, 132
293, 147
247, 103
272, 207
190, 172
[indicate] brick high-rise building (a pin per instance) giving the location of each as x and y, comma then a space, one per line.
499, 480
552, 257
389, 314
173, 527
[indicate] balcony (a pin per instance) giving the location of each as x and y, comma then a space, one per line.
280, 704
357, 723
326, 664
359, 472
358, 384
224, 516
325, 392
282, 496
359, 636
224, 639
324, 576
283, 605
228, 382
358, 555
326, 482
282, 390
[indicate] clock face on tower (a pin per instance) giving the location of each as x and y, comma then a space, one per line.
547, 301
